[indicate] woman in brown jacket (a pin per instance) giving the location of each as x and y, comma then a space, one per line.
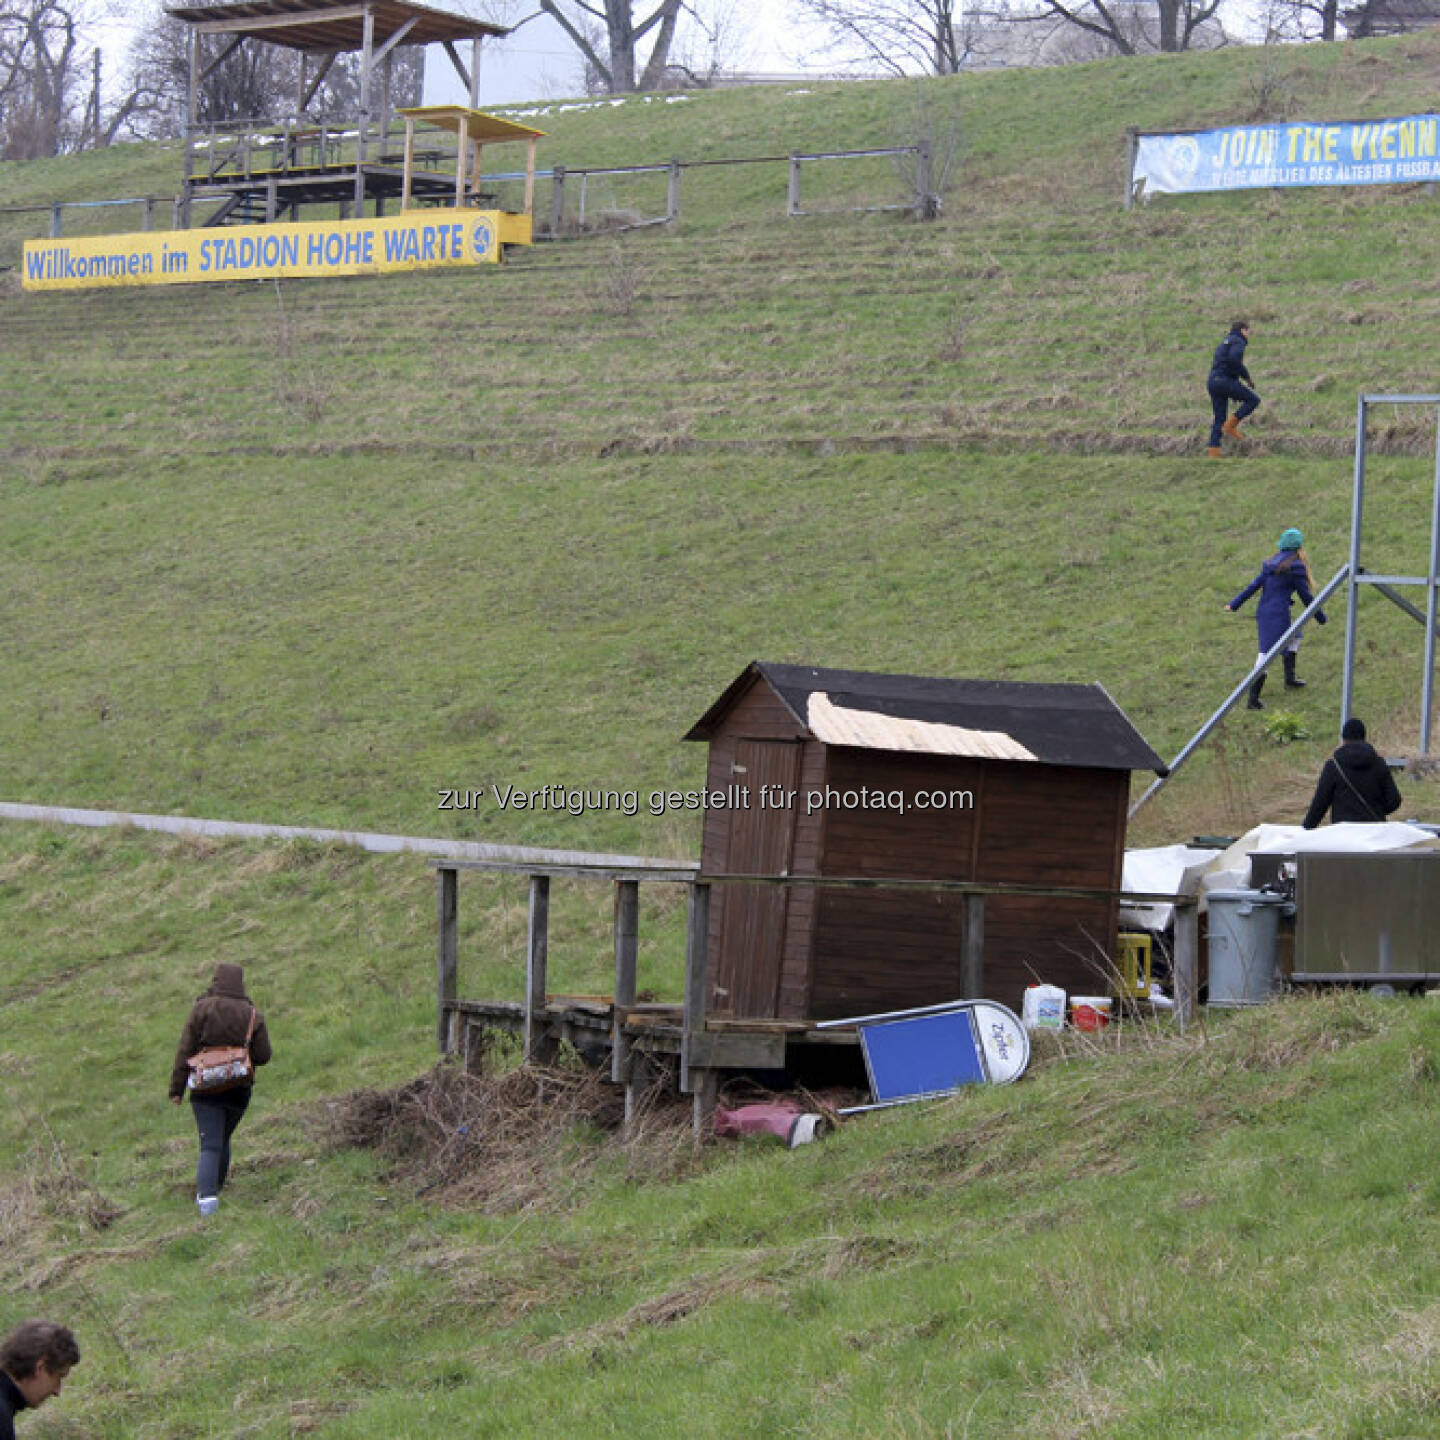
221, 1016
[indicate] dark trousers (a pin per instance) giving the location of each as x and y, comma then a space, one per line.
216, 1117
1222, 391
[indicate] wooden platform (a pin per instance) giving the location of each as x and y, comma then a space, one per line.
591, 1025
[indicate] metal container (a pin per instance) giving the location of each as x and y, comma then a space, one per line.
1368, 919
1243, 928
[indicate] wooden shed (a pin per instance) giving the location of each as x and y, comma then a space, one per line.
845, 773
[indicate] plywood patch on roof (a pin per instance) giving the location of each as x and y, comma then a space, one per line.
836, 725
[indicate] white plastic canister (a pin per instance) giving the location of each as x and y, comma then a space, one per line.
1043, 1008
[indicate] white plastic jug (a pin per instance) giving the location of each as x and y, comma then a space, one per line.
1043, 1008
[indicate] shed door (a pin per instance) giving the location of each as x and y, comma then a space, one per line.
761, 840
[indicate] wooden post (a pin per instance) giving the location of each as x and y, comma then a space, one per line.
1132, 145
192, 56
367, 61
536, 952
702, 1113
1186, 962
672, 193
627, 931
462, 152
697, 977
530, 176
792, 205
55, 222
272, 200
407, 172
925, 206
447, 956
557, 199
972, 963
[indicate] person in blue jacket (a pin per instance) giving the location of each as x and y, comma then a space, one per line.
1284, 575
1230, 380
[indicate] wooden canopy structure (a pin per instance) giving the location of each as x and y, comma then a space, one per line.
473, 130
259, 171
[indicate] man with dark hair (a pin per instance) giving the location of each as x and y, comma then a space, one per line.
35, 1358
1230, 380
1355, 784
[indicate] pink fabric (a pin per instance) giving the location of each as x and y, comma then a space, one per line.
776, 1118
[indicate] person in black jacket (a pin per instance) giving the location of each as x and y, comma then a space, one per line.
35, 1358
1230, 380
223, 1015
1355, 784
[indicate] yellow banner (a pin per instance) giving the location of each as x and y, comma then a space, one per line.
417, 240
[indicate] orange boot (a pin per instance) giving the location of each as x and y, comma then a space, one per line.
1232, 428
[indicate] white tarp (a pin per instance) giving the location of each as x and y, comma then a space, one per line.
1231, 870
1163, 870
1188, 870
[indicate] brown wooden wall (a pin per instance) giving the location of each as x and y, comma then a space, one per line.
758, 936
1032, 824
799, 953
1050, 825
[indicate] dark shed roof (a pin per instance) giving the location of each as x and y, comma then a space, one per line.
1057, 724
312, 25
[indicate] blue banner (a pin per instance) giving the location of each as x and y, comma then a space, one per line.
1246, 157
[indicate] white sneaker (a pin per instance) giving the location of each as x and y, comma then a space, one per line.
208, 1204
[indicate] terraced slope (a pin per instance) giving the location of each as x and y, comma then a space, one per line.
308, 552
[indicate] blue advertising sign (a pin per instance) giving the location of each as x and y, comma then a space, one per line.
1289, 153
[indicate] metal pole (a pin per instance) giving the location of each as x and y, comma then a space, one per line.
1260, 665
1357, 503
1427, 704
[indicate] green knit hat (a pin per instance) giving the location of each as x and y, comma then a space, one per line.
1290, 539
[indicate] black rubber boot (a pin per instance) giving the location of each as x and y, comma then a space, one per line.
1254, 702
1292, 680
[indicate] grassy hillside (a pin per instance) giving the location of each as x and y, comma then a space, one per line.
572, 498
311, 553
1227, 1234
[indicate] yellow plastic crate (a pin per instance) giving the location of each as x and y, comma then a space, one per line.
1132, 966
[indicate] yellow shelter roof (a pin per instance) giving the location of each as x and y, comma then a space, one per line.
474, 123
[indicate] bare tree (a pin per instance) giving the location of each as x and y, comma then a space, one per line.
1299, 20
257, 82
901, 36
39, 41
1132, 27
609, 35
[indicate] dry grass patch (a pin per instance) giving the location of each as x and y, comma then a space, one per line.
514, 1141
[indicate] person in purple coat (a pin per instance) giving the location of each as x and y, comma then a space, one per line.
1283, 576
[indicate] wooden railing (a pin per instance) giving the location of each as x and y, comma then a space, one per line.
695, 1052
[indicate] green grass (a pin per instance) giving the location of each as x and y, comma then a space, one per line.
310, 554
1227, 1233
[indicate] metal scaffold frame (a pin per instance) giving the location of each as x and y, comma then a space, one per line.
1353, 570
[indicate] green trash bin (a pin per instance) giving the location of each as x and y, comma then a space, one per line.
1243, 929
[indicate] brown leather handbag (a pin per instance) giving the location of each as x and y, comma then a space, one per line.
222, 1067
